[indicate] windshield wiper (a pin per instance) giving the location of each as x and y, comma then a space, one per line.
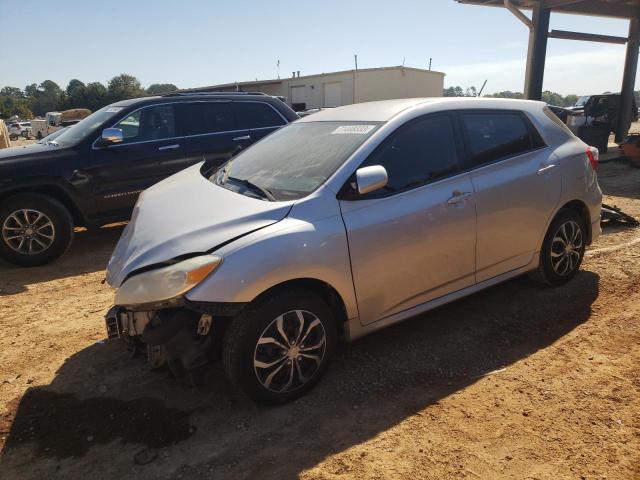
263, 192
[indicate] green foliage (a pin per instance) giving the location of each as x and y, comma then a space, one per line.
48, 96
158, 88
506, 94
124, 86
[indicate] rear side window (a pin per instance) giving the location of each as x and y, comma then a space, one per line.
208, 117
417, 153
256, 115
494, 136
549, 113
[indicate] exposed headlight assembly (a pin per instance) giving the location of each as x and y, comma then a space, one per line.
166, 284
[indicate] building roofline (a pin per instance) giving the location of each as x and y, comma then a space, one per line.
275, 81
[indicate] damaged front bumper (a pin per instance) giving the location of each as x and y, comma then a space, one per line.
183, 338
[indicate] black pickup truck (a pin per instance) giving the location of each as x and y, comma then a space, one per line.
92, 174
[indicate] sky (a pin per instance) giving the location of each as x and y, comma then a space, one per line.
194, 43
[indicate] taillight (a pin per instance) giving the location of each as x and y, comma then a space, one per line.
593, 155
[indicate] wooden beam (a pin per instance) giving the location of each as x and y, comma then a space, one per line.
586, 37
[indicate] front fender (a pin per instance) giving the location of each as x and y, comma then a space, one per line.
288, 250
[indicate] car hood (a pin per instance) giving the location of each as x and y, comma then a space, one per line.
35, 149
184, 215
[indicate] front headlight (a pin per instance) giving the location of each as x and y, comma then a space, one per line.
167, 283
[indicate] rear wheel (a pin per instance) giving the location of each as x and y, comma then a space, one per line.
34, 229
563, 248
279, 348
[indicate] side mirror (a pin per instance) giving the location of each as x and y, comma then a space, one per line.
369, 179
111, 136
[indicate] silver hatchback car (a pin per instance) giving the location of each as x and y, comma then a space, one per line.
343, 223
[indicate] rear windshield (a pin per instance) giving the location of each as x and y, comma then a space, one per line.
293, 161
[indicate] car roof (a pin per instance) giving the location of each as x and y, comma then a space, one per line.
182, 97
385, 110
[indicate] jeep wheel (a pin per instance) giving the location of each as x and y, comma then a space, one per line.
34, 229
278, 349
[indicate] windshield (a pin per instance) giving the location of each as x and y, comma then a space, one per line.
52, 136
582, 101
293, 161
88, 126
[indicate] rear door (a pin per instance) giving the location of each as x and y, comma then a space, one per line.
118, 173
517, 186
260, 118
211, 132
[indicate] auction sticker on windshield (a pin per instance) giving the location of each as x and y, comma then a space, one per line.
353, 129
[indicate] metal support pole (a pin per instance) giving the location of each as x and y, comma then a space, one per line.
537, 52
628, 80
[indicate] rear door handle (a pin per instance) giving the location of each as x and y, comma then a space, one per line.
546, 168
458, 197
244, 137
169, 147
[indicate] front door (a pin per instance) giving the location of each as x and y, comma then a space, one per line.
118, 173
414, 240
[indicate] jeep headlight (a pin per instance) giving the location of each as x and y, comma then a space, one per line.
166, 283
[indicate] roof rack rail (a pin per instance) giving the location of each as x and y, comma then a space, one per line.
200, 92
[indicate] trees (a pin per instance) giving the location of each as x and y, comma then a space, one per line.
95, 95
47, 96
159, 88
124, 86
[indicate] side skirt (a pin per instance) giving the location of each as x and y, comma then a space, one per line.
354, 330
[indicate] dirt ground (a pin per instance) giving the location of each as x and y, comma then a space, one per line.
519, 381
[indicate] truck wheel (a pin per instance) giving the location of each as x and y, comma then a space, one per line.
278, 348
34, 229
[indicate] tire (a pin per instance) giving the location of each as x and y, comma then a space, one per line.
13, 137
296, 370
39, 135
558, 263
47, 242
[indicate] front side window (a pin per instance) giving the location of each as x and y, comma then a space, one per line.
493, 136
208, 117
256, 115
151, 123
420, 152
293, 161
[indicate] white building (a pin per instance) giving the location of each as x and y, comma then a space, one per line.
344, 88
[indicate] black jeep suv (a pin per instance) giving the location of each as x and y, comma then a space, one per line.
92, 174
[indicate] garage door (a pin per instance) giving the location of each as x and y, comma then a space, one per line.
298, 98
332, 94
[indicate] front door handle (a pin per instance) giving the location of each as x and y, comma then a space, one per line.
546, 169
244, 137
458, 197
169, 147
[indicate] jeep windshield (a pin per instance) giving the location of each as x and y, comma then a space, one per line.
293, 161
86, 127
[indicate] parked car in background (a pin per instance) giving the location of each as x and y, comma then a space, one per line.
54, 121
19, 129
92, 173
345, 222
598, 118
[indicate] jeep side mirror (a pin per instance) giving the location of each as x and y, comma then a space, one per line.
111, 136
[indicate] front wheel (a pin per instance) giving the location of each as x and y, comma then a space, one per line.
279, 348
563, 248
34, 229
